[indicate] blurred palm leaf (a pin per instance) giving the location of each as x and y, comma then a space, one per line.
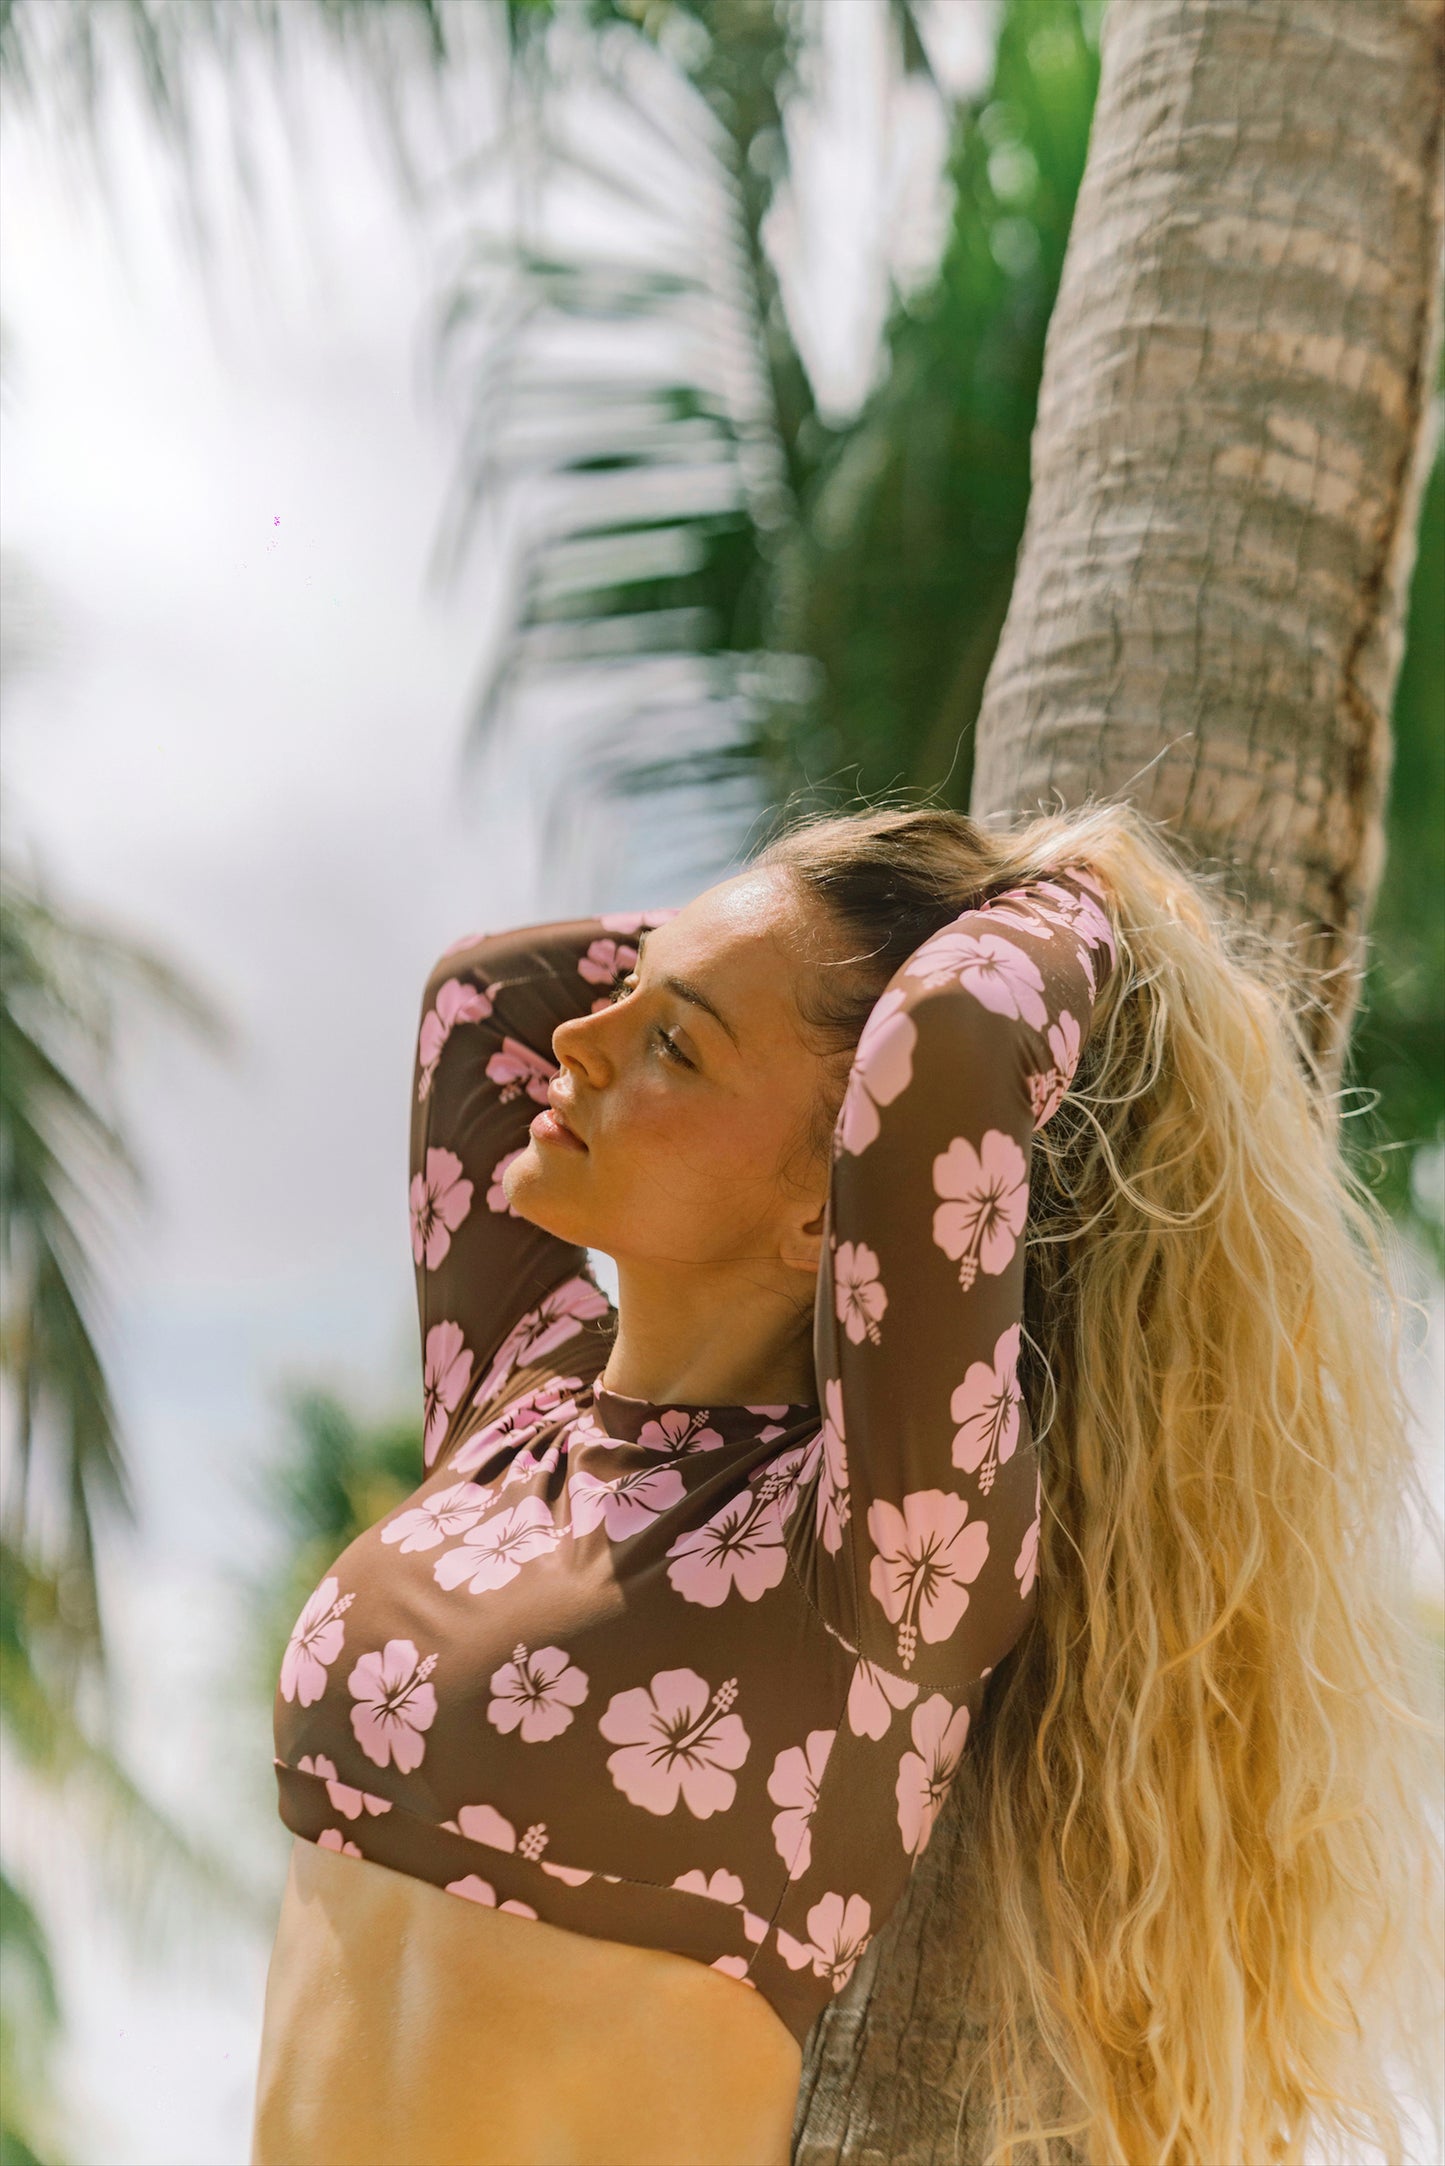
60, 1155
751, 596
902, 581
63, 1161
642, 408
335, 1476
61, 1158
29, 2022
1398, 1051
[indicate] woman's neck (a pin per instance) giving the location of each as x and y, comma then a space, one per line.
694, 1335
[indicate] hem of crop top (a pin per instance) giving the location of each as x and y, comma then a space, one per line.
721, 1935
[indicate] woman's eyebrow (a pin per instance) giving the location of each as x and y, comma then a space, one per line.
692, 994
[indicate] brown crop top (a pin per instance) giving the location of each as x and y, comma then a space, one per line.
699, 1677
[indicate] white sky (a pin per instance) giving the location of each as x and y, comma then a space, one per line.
245, 750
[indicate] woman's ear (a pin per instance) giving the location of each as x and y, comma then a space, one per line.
802, 1241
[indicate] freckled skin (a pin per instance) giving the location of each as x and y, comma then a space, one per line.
402, 2025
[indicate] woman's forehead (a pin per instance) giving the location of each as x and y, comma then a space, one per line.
754, 917
744, 936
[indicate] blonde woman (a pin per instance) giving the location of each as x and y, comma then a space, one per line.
998, 1393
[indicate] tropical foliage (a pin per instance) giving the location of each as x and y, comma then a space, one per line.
335, 1474
64, 1159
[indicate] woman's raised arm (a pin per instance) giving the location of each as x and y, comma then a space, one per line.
484, 1277
922, 1550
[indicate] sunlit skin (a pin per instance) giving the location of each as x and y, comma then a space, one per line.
404, 2027
696, 1177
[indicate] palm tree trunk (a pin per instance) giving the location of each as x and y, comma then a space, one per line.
1233, 434
1231, 444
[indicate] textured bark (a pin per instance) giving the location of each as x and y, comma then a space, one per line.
1207, 619
1231, 443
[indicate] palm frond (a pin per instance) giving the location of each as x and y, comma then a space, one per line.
29, 2025
64, 1164
905, 567
336, 1476
633, 412
154, 1871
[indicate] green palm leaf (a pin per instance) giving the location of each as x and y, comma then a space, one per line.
60, 1157
639, 409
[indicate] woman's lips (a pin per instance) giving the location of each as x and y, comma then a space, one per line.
549, 1127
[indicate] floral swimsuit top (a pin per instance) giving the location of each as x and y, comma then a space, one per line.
699, 1677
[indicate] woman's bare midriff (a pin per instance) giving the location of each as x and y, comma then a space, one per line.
408, 2027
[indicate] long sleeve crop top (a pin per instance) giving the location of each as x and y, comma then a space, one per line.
699, 1677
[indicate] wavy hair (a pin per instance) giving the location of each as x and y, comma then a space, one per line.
1201, 1866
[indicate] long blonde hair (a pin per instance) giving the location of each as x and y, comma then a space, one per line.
1201, 1871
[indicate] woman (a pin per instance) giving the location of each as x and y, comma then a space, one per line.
993, 1397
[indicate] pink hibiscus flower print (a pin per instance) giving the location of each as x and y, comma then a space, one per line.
477, 1890
858, 1296
1027, 1562
517, 1068
1083, 877
833, 1500
924, 1775
437, 1518
1047, 1088
794, 1784
781, 1482
740, 1546
680, 1429
342, 1795
986, 1194
446, 1368
333, 1839
872, 1697
926, 1558
1082, 914
882, 1067
518, 1423
440, 1200
497, 1198
999, 975
543, 1329
484, 1824
840, 1934
395, 1703
536, 1693
456, 1002
529, 1462
606, 960
492, 1554
724, 1887
624, 1504
572, 1874
986, 1407
314, 1644
676, 1740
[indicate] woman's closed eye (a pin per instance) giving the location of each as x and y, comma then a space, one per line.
663, 1039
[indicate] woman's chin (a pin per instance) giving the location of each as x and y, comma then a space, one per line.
531, 1189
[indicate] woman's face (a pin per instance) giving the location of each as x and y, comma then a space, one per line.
678, 1124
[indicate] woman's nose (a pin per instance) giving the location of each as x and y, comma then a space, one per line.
579, 1044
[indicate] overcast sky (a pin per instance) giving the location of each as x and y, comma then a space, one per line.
245, 749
